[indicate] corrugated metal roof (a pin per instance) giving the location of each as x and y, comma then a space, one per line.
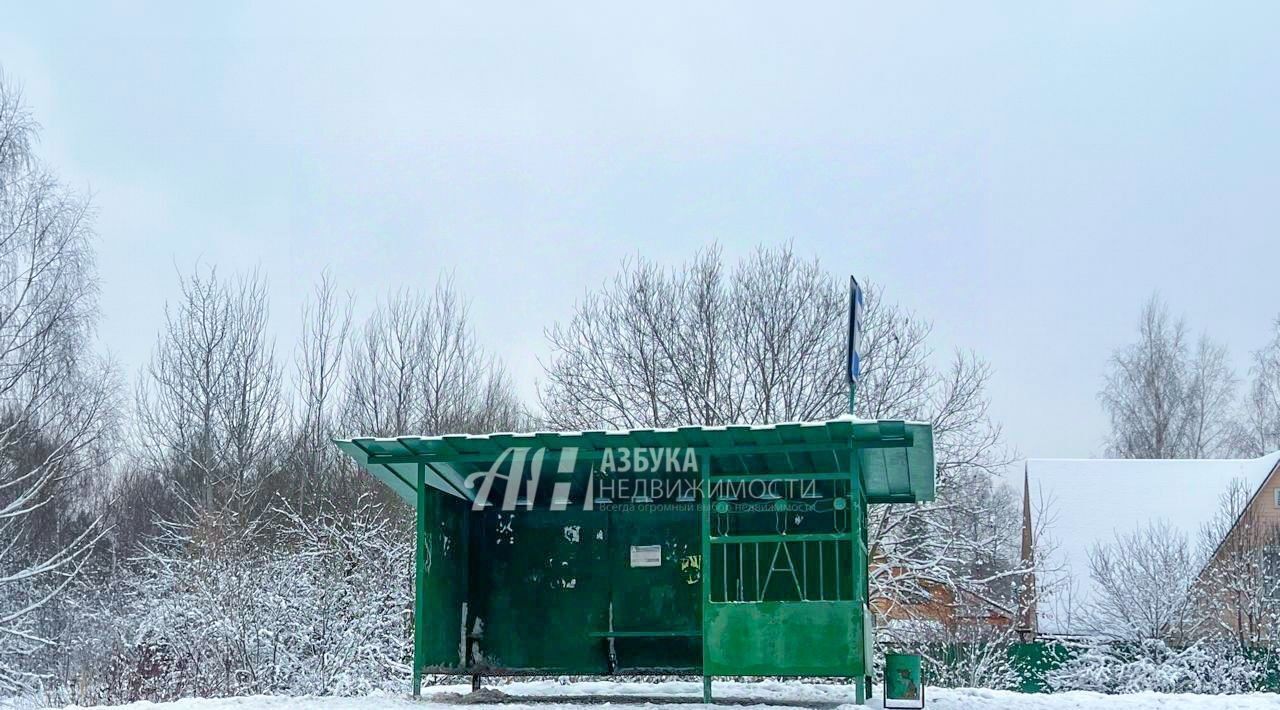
896, 457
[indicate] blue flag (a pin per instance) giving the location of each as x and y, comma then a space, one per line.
855, 330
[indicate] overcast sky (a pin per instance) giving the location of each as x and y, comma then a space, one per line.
1022, 174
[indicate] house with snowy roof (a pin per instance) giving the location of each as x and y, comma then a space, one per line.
1072, 505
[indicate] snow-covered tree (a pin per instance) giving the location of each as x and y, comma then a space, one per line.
56, 399
1237, 589
1143, 583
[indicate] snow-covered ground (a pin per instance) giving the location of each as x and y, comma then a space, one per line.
686, 695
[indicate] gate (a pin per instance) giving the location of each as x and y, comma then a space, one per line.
785, 578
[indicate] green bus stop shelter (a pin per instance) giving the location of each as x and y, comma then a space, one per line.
702, 550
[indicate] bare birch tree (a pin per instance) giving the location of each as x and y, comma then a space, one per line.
417, 367
1260, 430
17, 132
209, 401
1166, 400
1213, 422
56, 400
318, 364
1145, 388
695, 344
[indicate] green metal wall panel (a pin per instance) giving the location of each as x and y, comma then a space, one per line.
541, 590
783, 638
445, 597
556, 592
658, 609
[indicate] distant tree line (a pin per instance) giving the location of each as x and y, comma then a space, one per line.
1172, 396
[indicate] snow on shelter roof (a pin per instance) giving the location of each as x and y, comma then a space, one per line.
1085, 502
895, 457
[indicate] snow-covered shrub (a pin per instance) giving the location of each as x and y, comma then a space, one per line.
317, 605
1208, 666
357, 612
1092, 669
980, 664
969, 654
1218, 666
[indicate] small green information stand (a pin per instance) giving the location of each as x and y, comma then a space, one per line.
903, 684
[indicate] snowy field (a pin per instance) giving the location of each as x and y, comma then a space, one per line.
686, 695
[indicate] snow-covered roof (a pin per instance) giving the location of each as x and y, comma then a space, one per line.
1084, 502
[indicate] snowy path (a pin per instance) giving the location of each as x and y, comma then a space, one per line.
685, 695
